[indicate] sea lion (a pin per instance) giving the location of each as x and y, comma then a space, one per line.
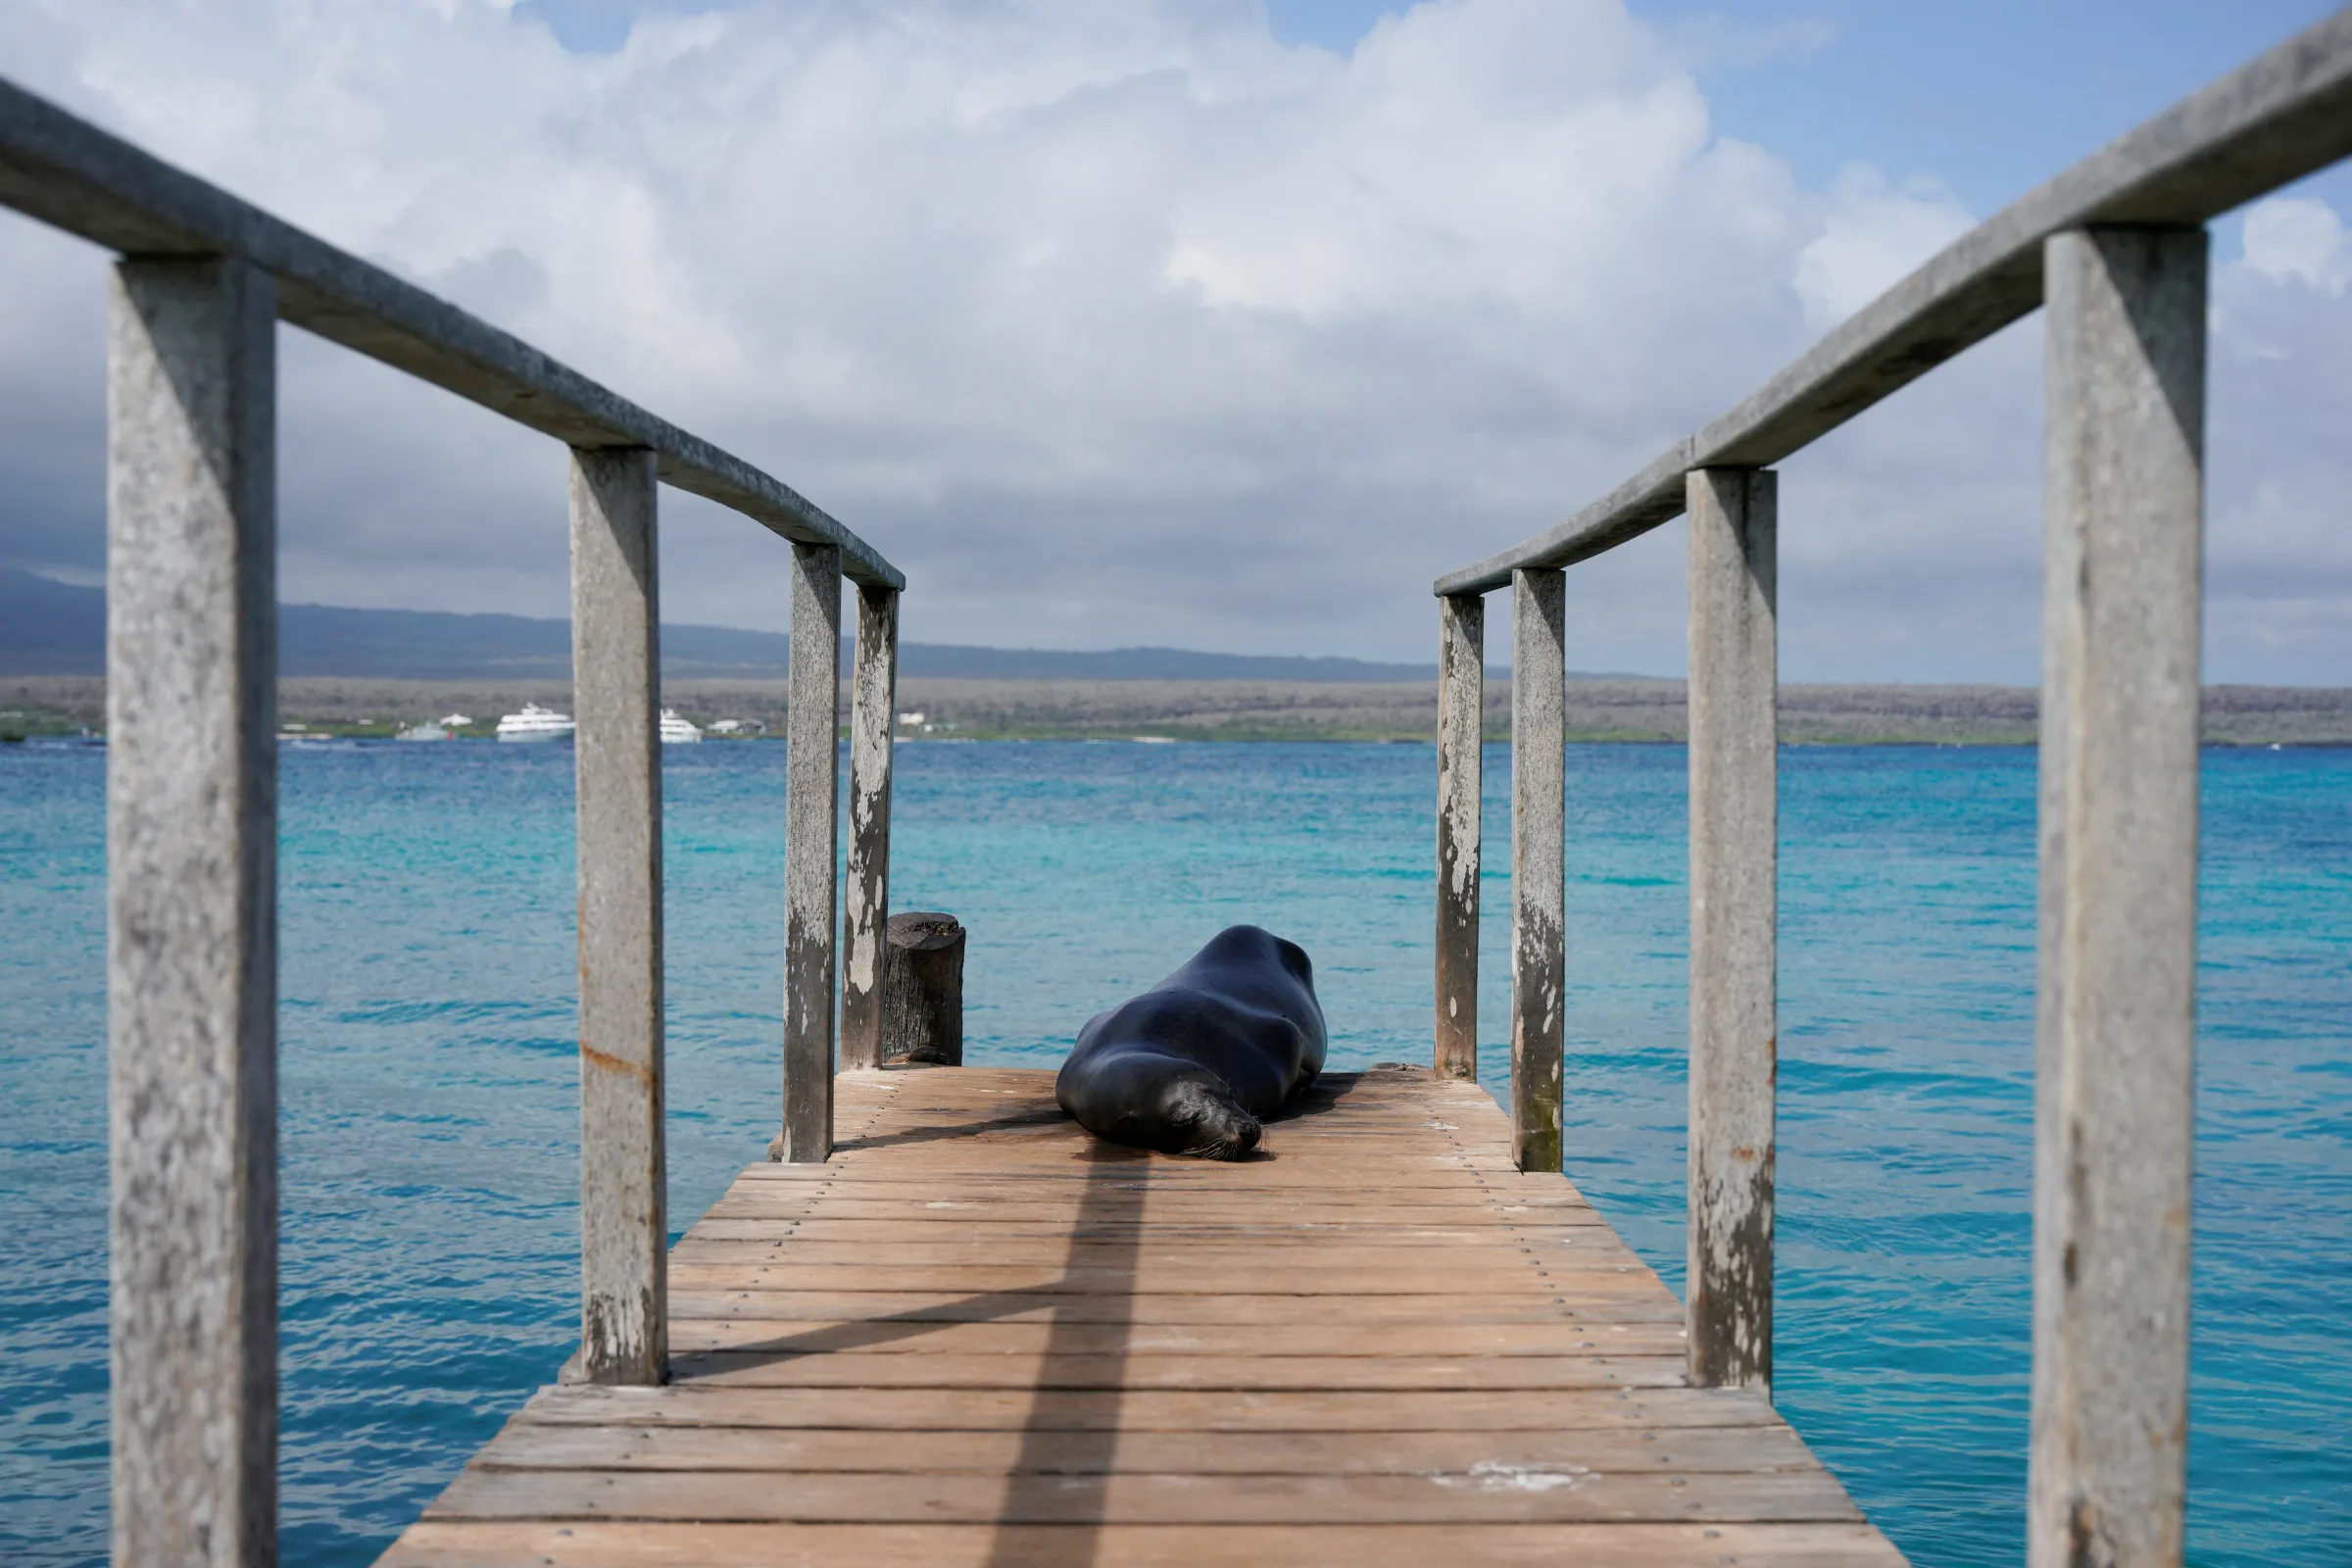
1192, 1064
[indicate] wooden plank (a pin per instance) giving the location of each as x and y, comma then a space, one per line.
1468, 1410
1395, 1373
593, 1544
1093, 1355
1470, 1494
1618, 1305
1130, 1251
999, 1337
1174, 1278
538, 1446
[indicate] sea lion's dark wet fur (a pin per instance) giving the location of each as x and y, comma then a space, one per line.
1193, 1065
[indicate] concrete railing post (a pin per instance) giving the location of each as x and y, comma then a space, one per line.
873, 696
2115, 1067
616, 692
1461, 698
1735, 827
1538, 866
811, 809
191, 785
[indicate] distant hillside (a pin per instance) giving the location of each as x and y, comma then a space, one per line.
51, 629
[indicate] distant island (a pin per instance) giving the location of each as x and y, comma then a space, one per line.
54, 628
374, 671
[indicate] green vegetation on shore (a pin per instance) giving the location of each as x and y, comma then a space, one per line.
1625, 711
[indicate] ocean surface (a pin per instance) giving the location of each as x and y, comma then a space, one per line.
430, 1087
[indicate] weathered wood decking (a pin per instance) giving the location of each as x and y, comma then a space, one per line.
979, 1337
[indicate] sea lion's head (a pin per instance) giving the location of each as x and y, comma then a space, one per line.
1202, 1120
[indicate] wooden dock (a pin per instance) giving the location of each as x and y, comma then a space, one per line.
978, 1336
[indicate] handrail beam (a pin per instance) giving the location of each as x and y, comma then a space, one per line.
72, 175
2285, 114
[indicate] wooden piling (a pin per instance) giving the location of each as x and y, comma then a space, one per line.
2115, 1068
922, 989
1735, 827
873, 698
1461, 698
191, 788
616, 695
812, 806
1538, 867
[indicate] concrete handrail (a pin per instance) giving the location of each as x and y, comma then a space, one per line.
198, 287
2116, 249
2284, 115
72, 176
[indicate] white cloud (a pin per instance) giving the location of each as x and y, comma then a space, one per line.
2296, 237
1110, 323
1872, 236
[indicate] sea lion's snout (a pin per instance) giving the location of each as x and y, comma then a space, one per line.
1207, 1122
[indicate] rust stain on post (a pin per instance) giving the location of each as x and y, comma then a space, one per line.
617, 664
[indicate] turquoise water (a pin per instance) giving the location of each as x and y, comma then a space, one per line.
429, 1086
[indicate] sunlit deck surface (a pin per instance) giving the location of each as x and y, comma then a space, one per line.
978, 1336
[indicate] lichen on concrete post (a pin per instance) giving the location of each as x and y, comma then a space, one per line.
812, 840
191, 786
1461, 700
873, 698
1538, 865
616, 666
1735, 827
2116, 1056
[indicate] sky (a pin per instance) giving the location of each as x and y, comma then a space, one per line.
1209, 323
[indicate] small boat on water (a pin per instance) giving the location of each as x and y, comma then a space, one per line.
535, 723
423, 732
676, 731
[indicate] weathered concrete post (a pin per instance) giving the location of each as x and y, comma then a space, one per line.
1461, 700
191, 849
1735, 827
2115, 1066
1538, 865
873, 696
617, 693
811, 809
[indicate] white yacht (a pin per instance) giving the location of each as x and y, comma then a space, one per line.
535, 723
676, 731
